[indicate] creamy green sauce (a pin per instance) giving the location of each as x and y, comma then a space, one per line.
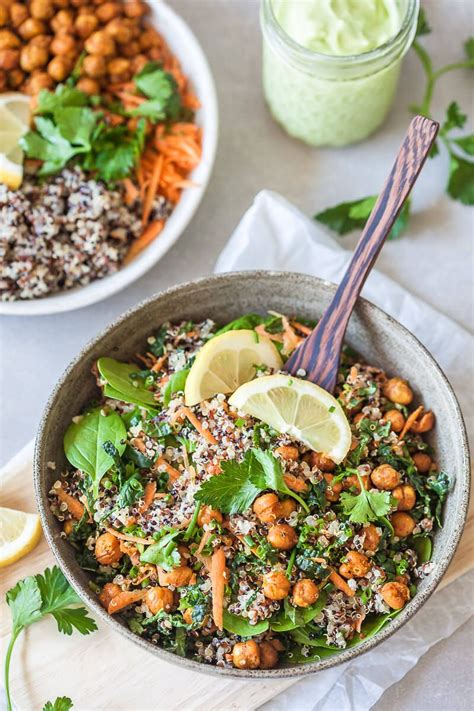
339, 27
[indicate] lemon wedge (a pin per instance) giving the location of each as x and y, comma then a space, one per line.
299, 408
11, 172
14, 123
19, 533
227, 361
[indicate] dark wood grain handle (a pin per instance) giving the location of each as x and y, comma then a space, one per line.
319, 355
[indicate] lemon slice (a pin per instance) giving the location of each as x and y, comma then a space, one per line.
227, 361
11, 171
18, 105
14, 123
19, 534
299, 408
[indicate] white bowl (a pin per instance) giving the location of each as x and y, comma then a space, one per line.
185, 46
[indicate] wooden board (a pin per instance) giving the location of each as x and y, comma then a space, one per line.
106, 671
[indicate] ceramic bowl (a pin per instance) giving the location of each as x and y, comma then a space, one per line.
379, 339
185, 46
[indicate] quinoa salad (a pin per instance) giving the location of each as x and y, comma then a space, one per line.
215, 535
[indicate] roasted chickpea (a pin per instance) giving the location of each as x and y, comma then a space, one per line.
63, 44
268, 655
15, 78
285, 508
8, 40
85, 25
246, 655
59, 68
424, 424
396, 420
18, 13
42, 9
397, 390
135, 9
305, 593
88, 86
138, 62
422, 462
276, 585
94, 66
403, 524
4, 16
157, 599
68, 526
385, 477
41, 41
3, 80
371, 538
188, 615
208, 514
148, 39
9, 59
131, 49
63, 21
352, 482
119, 68
321, 462
109, 591
282, 536
406, 497
100, 43
395, 594
107, 549
33, 57
31, 28
178, 577
288, 452
333, 491
295, 483
119, 31
356, 566
62, 4
108, 11
264, 507
38, 81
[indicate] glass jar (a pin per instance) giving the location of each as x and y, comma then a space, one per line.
331, 100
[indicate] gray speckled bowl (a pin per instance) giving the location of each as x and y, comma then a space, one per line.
380, 340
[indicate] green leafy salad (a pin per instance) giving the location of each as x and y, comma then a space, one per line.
216, 534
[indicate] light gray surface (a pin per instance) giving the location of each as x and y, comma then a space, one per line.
434, 261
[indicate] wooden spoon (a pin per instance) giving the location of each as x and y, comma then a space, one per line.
319, 354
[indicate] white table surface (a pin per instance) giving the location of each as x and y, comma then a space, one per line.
434, 260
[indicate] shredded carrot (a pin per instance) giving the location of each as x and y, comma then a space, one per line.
150, 491
300, 327
131, 191
129, 99
218, 579
160, 363
75, 508
173, 473
198, 425
340, 583
151, 232
124, 599
410, 420
152, 189
204, 540
129, 537
295, 483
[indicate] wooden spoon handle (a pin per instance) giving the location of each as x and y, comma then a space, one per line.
320, 353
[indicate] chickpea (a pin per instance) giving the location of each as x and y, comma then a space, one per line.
178, 577
422, 462
385, 477
285, 508
395, 594
38, 81
119, 68
33, 57
4, 16
157, 599
295, 483
403, 524
208, 514
138, 62
406, 497
321, 462
43, 41
148, 39
108, 11
62, 4
397, 390
16, 78
135, 9
85, 25
276, 585
305, 593
109, 591
41, 9
100, 43
282, 536
107, 549
31, 28
59, 68
288, 453
18, 13
94, 66
268, 655
131, 49
9, 59
333, 491
356, 566
88, 86
68, 526
352, 482
188, 615
264, 507
424, 424
3, 80
63, 44
371, 538
246, 655
8, 40
119, 31
63, 22
396, 420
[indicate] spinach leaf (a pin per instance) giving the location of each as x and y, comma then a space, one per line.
130, 491
120, 385
423, 547
174, 385
292, 617
84, 440
164, 553
249, 321
241, 626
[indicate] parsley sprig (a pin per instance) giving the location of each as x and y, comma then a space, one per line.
33, 598
367, 505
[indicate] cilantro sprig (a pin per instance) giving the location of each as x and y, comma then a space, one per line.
239, 484
30, 600
367, 505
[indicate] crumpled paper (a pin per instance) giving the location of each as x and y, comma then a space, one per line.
274, 234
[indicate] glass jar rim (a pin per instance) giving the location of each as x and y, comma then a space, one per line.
310, 57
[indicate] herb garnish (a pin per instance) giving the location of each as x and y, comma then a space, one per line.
367, 505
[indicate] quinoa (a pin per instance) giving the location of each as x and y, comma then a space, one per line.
65, 232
